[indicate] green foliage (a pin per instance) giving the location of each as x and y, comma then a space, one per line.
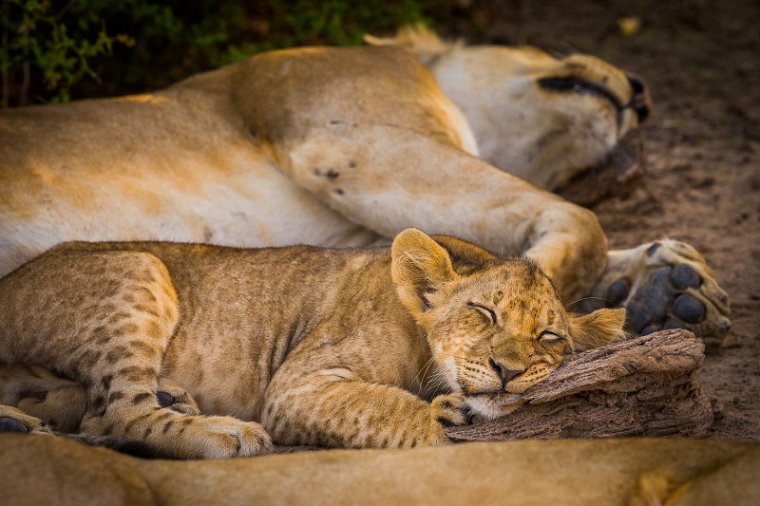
60, 48
38, 45
338, 22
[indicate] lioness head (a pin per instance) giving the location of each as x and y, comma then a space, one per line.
541, 118
492, 325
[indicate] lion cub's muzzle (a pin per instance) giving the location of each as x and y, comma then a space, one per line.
517, 381
504, 372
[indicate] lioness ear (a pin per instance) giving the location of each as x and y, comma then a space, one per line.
597, 328
418, 39
419, 267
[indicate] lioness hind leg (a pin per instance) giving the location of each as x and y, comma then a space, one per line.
665, 284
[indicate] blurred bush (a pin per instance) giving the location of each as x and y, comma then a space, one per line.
54, 50
38, 47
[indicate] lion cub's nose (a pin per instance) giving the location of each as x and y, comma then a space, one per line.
504, 373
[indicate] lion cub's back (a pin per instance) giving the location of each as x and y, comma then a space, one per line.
238, 311
208, 275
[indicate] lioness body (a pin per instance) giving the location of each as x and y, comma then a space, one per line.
319, 146
612, 472
329, 347
342, 147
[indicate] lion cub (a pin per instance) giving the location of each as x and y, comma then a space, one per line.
320, 347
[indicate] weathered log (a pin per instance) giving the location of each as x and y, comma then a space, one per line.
639, 387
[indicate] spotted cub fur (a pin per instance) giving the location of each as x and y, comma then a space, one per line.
299, 345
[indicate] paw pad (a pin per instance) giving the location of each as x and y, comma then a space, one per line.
11, 425
617, 292
165, 399
654, 299
683, 277
651, 329
659, 303
689, 309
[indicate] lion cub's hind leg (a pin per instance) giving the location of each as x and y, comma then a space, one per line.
62, 403
14, 420
58, 402
105, 319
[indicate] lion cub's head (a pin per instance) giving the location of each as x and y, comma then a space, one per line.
492, 325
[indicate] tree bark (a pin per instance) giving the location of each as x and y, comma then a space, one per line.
639, 387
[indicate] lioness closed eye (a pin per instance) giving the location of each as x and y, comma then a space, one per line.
350, 348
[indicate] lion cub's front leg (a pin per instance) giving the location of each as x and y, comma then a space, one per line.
335, 408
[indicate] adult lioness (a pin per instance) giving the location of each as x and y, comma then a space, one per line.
343, 146
612, 472
315, 344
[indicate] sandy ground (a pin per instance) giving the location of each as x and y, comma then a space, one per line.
702, 62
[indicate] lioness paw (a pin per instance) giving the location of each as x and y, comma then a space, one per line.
666, 284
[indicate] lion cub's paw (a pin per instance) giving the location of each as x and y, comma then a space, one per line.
172, 396
447, 411
666, 284
221, 437
15, 420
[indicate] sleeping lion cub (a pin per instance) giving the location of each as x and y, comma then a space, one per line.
349, 348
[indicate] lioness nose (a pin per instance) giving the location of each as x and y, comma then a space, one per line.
641, 102
503, 371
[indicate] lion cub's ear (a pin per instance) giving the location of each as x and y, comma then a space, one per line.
419, 267
597, 328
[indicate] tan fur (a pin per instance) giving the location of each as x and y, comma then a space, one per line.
338, 147
62, 403
323, 146
417, 39
628, 471
319, 347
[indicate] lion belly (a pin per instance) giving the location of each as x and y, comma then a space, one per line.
209, 185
